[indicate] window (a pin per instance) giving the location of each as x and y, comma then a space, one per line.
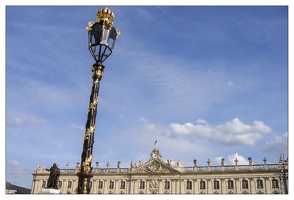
244, 184
90, 184
215, 184
111, 185
275, 183
59, 184
69, 183
202, 184
100, 184
189, 184
259, 184
44, 184
142, 184
122, 185
166, 185
230, 184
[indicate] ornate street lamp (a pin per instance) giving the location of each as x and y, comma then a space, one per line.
102, 37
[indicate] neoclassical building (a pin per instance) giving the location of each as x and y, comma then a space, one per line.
159, 177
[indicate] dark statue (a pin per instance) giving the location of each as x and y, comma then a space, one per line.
53, 177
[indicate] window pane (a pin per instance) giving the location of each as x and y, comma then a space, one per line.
216, 184
167, 185
122, 185
202, 184
100, 185
59, 183
244, 184
259, 184
189, 184
142, 184
230, 184
69, 184
275, 183
111, 185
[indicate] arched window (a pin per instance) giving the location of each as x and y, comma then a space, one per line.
259, 184
100, 184
166, 185
215, 185
244, 184
230, 184
142, 184
111, 184
275, 183
189, 185
69, 183
122, 185
202, 184
59, 184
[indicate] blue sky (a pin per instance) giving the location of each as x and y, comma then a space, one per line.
207, 82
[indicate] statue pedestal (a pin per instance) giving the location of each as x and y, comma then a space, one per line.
49, 191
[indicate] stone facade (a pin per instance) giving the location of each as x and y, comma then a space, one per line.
159, 177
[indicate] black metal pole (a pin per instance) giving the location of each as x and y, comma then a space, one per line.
85, 170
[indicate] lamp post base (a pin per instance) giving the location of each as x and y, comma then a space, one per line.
84, 183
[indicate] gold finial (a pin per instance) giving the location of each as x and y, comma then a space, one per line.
105, 15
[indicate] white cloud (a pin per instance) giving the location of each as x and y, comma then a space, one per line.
277, 145
241, 159
230, 160
147, 125
15, 122
18, 173
230, 133
201, 121
142, 119
78, 127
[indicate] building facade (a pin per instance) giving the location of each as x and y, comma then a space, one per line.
159, 177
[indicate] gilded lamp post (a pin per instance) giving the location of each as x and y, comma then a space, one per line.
102, 36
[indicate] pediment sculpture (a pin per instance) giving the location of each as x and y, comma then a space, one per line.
155, 166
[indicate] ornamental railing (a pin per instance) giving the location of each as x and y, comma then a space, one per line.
180, 169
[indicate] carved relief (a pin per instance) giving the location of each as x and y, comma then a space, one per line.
153, 187
153, 167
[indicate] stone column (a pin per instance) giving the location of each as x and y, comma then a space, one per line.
237, 186
173, 186
33, 186
194, 186
160, 190
177, 186
252, 185
128, 186
38, 185
106, 186
223, 186
135, 186
267, 189
74, 184
209, 188
94, 186
182, 186
116, 186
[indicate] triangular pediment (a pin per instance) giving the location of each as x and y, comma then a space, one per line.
155, 166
